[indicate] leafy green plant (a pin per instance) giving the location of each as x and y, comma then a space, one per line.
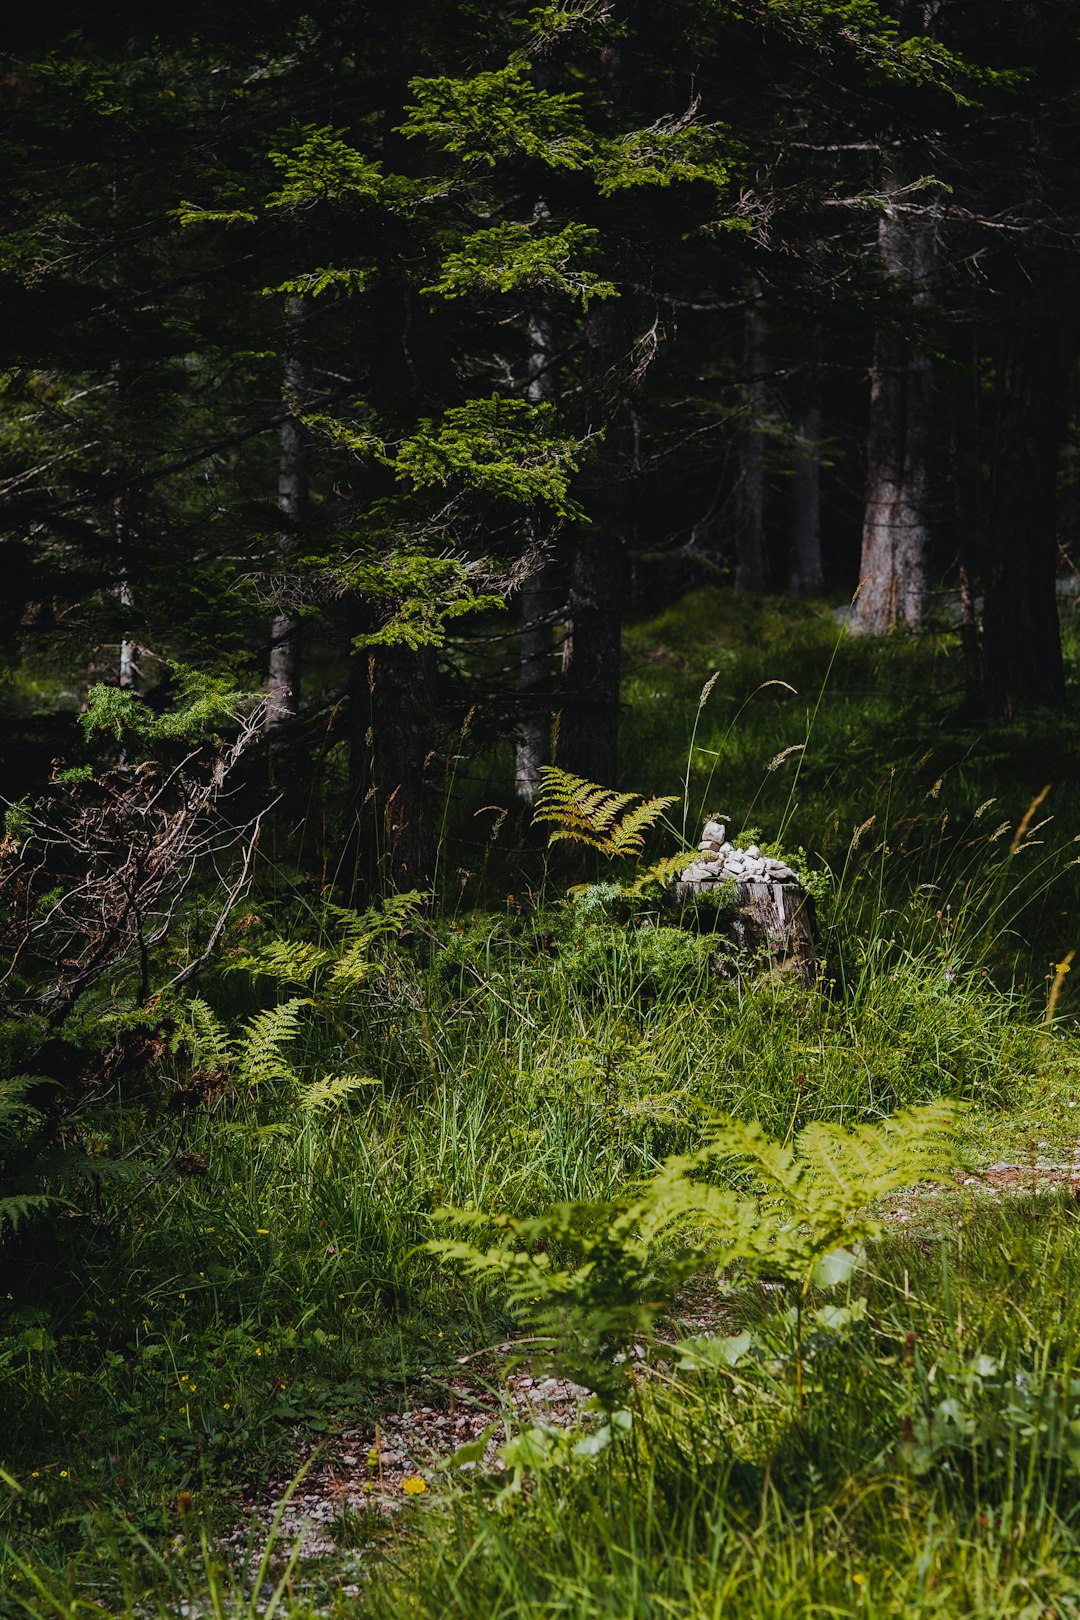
583, 812
257, 1052
802, 1214
507, 256
19, 1121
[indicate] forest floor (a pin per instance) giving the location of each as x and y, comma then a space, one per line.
337, 1503
242, 1364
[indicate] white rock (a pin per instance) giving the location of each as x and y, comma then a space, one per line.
754, 853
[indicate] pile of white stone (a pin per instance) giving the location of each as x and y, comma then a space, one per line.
721, 862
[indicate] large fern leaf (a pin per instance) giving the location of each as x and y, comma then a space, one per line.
17, 1207
584, 812
801, 1211
15, 1111
289, 961
332, 1089
354, 967
205, 1036
261, 1059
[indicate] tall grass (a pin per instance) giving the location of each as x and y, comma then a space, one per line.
250, 1270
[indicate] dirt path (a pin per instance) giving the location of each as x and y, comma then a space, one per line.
379, 1468
371, 1471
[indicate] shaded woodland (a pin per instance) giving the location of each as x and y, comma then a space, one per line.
450, 456
329, 335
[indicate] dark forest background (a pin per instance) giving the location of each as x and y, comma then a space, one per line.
387, 360
425, 429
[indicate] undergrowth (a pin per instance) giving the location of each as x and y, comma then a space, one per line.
236, 1249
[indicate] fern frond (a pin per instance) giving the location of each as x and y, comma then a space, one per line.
289, 961
260, 1056
354, 967
389, 918
204, 1036
17, 1207
850, 1168
586, 813
818, 1193
660, 873
628, 837
331, 1090
805, 1215
15, 1111
353, 924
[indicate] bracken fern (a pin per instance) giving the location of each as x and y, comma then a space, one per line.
583, 812
801, 1213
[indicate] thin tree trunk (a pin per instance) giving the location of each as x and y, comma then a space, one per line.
750, 555
966, 478
396, 806
897, 518
1021, 634
283, 674
128, 673
805, 577
592, 648
392, 845
540, 603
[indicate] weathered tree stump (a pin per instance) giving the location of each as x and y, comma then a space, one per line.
768, 908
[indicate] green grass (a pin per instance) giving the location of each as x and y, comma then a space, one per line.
726, 1499
244, 1273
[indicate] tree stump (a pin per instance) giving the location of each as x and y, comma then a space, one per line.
768, 909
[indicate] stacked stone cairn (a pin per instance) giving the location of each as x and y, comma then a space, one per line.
772, 912
721, 862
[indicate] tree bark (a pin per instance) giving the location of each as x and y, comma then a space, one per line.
1021, 634
777, 918
899, 484
127, 673
283, 673
540, 603
589, 724
751, 564
805, 576
393, 841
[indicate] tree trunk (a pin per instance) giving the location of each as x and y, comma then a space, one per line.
805, 577
283, 674
750, 554
778, 918
589, 725
897, 519
540, 603
764, 917
392, 842
1021, 635
128, 673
